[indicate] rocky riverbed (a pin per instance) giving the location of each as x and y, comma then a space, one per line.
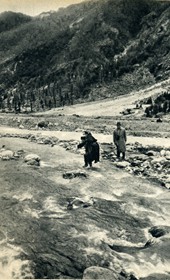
61, 221
116, 227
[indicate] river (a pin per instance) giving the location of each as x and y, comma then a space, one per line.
108, 226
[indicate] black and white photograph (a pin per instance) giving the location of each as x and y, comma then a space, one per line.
85, 139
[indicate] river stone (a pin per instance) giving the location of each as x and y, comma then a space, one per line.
167, 182
122, 164
167, 155
33, 162
167, 185
31, 157
161, 160
157, 231
6, 155
74, 174
32, 138
136, 162
151, 153
42, 124
96, 272
162, 153
77, 201
142, 157
47, 141
21, 126
20, 152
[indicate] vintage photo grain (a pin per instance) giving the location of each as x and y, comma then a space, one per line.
85, 139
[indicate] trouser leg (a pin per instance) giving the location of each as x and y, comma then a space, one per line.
118, 153
90, 159
85, 160
123, 155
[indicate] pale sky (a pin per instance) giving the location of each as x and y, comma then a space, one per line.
34, 7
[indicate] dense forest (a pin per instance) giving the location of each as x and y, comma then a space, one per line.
95, 49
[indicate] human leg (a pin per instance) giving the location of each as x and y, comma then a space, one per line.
85, 160
118, 153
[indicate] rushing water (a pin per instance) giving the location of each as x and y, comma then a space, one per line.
11, 265
40, 238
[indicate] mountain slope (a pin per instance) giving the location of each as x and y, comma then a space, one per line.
86, 51
11, 20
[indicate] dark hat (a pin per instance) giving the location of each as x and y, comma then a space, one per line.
86, 132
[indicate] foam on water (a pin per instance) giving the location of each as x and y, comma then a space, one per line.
52, 207
146, 268
46, 164
105, 196
23, 196
92, 250
123, 242
138, 210
121, 175
11, 266
96, 235
32, 212
143, 262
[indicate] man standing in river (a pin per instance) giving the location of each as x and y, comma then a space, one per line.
119, 139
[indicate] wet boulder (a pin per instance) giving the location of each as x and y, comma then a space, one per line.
136, 162
157, 231
32, 159
162, 153
21, 126
142, 157
6, 154
33, 162
167, 155
159, 160
20, 152
32, 138
96, 272
74, 174
47, 141
78, 202
167, 182
122, 164
151, 153
43, 124
128, 111
128, 276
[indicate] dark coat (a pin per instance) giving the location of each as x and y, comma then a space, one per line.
92, 149
119, 138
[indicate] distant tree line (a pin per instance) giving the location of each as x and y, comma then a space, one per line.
50, 92
58, 60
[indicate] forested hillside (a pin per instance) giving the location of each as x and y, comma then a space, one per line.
11, 20
92, 50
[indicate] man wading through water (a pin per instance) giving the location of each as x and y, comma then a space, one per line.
91, 149
119, 139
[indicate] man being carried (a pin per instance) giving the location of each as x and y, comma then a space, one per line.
91, 148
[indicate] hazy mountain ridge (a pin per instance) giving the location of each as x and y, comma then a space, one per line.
10, 20
93, 49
